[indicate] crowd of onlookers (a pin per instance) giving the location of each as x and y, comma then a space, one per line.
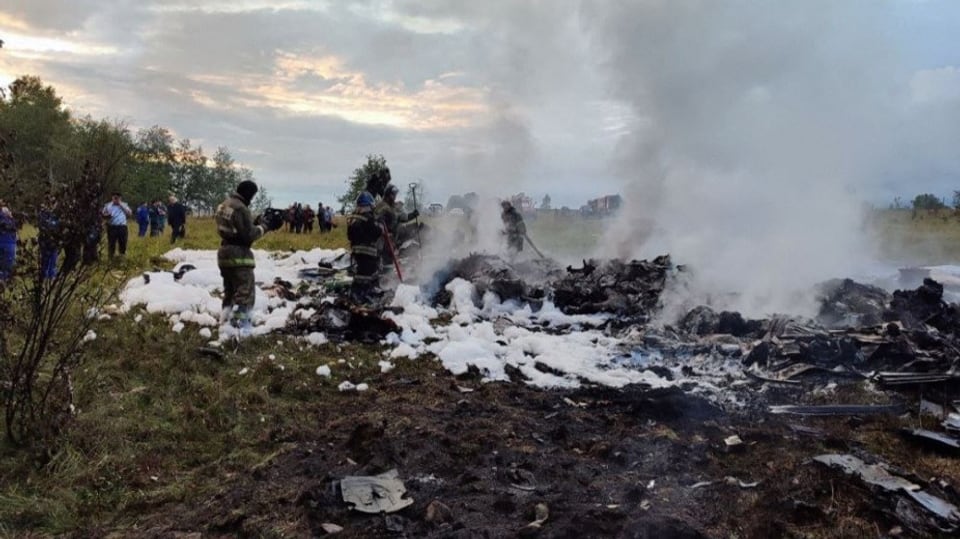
299, 218
155, 216
113, 215
152, 218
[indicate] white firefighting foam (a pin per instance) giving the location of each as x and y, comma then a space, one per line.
549, 348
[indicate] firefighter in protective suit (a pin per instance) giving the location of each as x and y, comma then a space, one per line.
364, 231
513, 228
238, 230
393, 219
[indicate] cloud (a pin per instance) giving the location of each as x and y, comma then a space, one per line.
554, 97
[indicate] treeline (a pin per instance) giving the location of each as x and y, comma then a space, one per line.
926, 202
48, 146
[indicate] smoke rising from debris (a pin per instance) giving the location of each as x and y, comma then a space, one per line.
753, 135
760, 128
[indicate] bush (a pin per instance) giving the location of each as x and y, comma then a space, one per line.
45, 310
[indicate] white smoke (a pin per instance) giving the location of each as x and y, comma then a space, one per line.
759, 129
490, 166
754, 132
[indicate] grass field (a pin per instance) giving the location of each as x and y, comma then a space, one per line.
926, 239
158, 424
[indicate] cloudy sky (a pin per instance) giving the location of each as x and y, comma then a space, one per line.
571, 98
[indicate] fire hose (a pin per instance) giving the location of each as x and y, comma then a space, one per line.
532, 245
393, 253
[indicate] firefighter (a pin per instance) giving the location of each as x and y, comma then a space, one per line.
392, 217
364, 231
377, 182
238, 230
513, 227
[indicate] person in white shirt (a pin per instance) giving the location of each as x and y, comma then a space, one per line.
116, 212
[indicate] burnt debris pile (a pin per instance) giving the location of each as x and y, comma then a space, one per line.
629, 290
488, 273
341, 320
908, 338
846, 303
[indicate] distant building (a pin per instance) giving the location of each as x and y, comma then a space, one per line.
605, 205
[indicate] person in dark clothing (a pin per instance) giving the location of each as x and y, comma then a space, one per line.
116, 212
8, 242
298, 218
143, 219
308, 216
177, 216
48, 230
288, 218
377, 182
513, 227
91, 244
364, 231
328, 218
392, 218
238, 230
162, 214
154, 210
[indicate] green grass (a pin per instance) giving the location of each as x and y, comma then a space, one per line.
157, 423
563, 237
202, 234
927, 238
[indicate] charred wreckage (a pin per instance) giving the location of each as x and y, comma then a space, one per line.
903, 348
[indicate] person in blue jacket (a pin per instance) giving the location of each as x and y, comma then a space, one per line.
48, 224
8, 242
143, 219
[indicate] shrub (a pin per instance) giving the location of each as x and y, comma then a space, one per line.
47, 308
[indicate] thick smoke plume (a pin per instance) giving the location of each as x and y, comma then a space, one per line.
760, 129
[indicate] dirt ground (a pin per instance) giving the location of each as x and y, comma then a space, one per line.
604, 462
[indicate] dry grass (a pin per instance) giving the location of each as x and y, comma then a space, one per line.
928, 238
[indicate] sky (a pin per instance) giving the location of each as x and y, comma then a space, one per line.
574, 99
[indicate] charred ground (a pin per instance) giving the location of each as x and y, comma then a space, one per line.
606, 462
479, 458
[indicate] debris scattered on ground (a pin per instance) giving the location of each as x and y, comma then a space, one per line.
535, 325
732, 441
331, 528
341, 320
933, 439
540, 515
739, 483
840, 409
945, 517
382, 493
